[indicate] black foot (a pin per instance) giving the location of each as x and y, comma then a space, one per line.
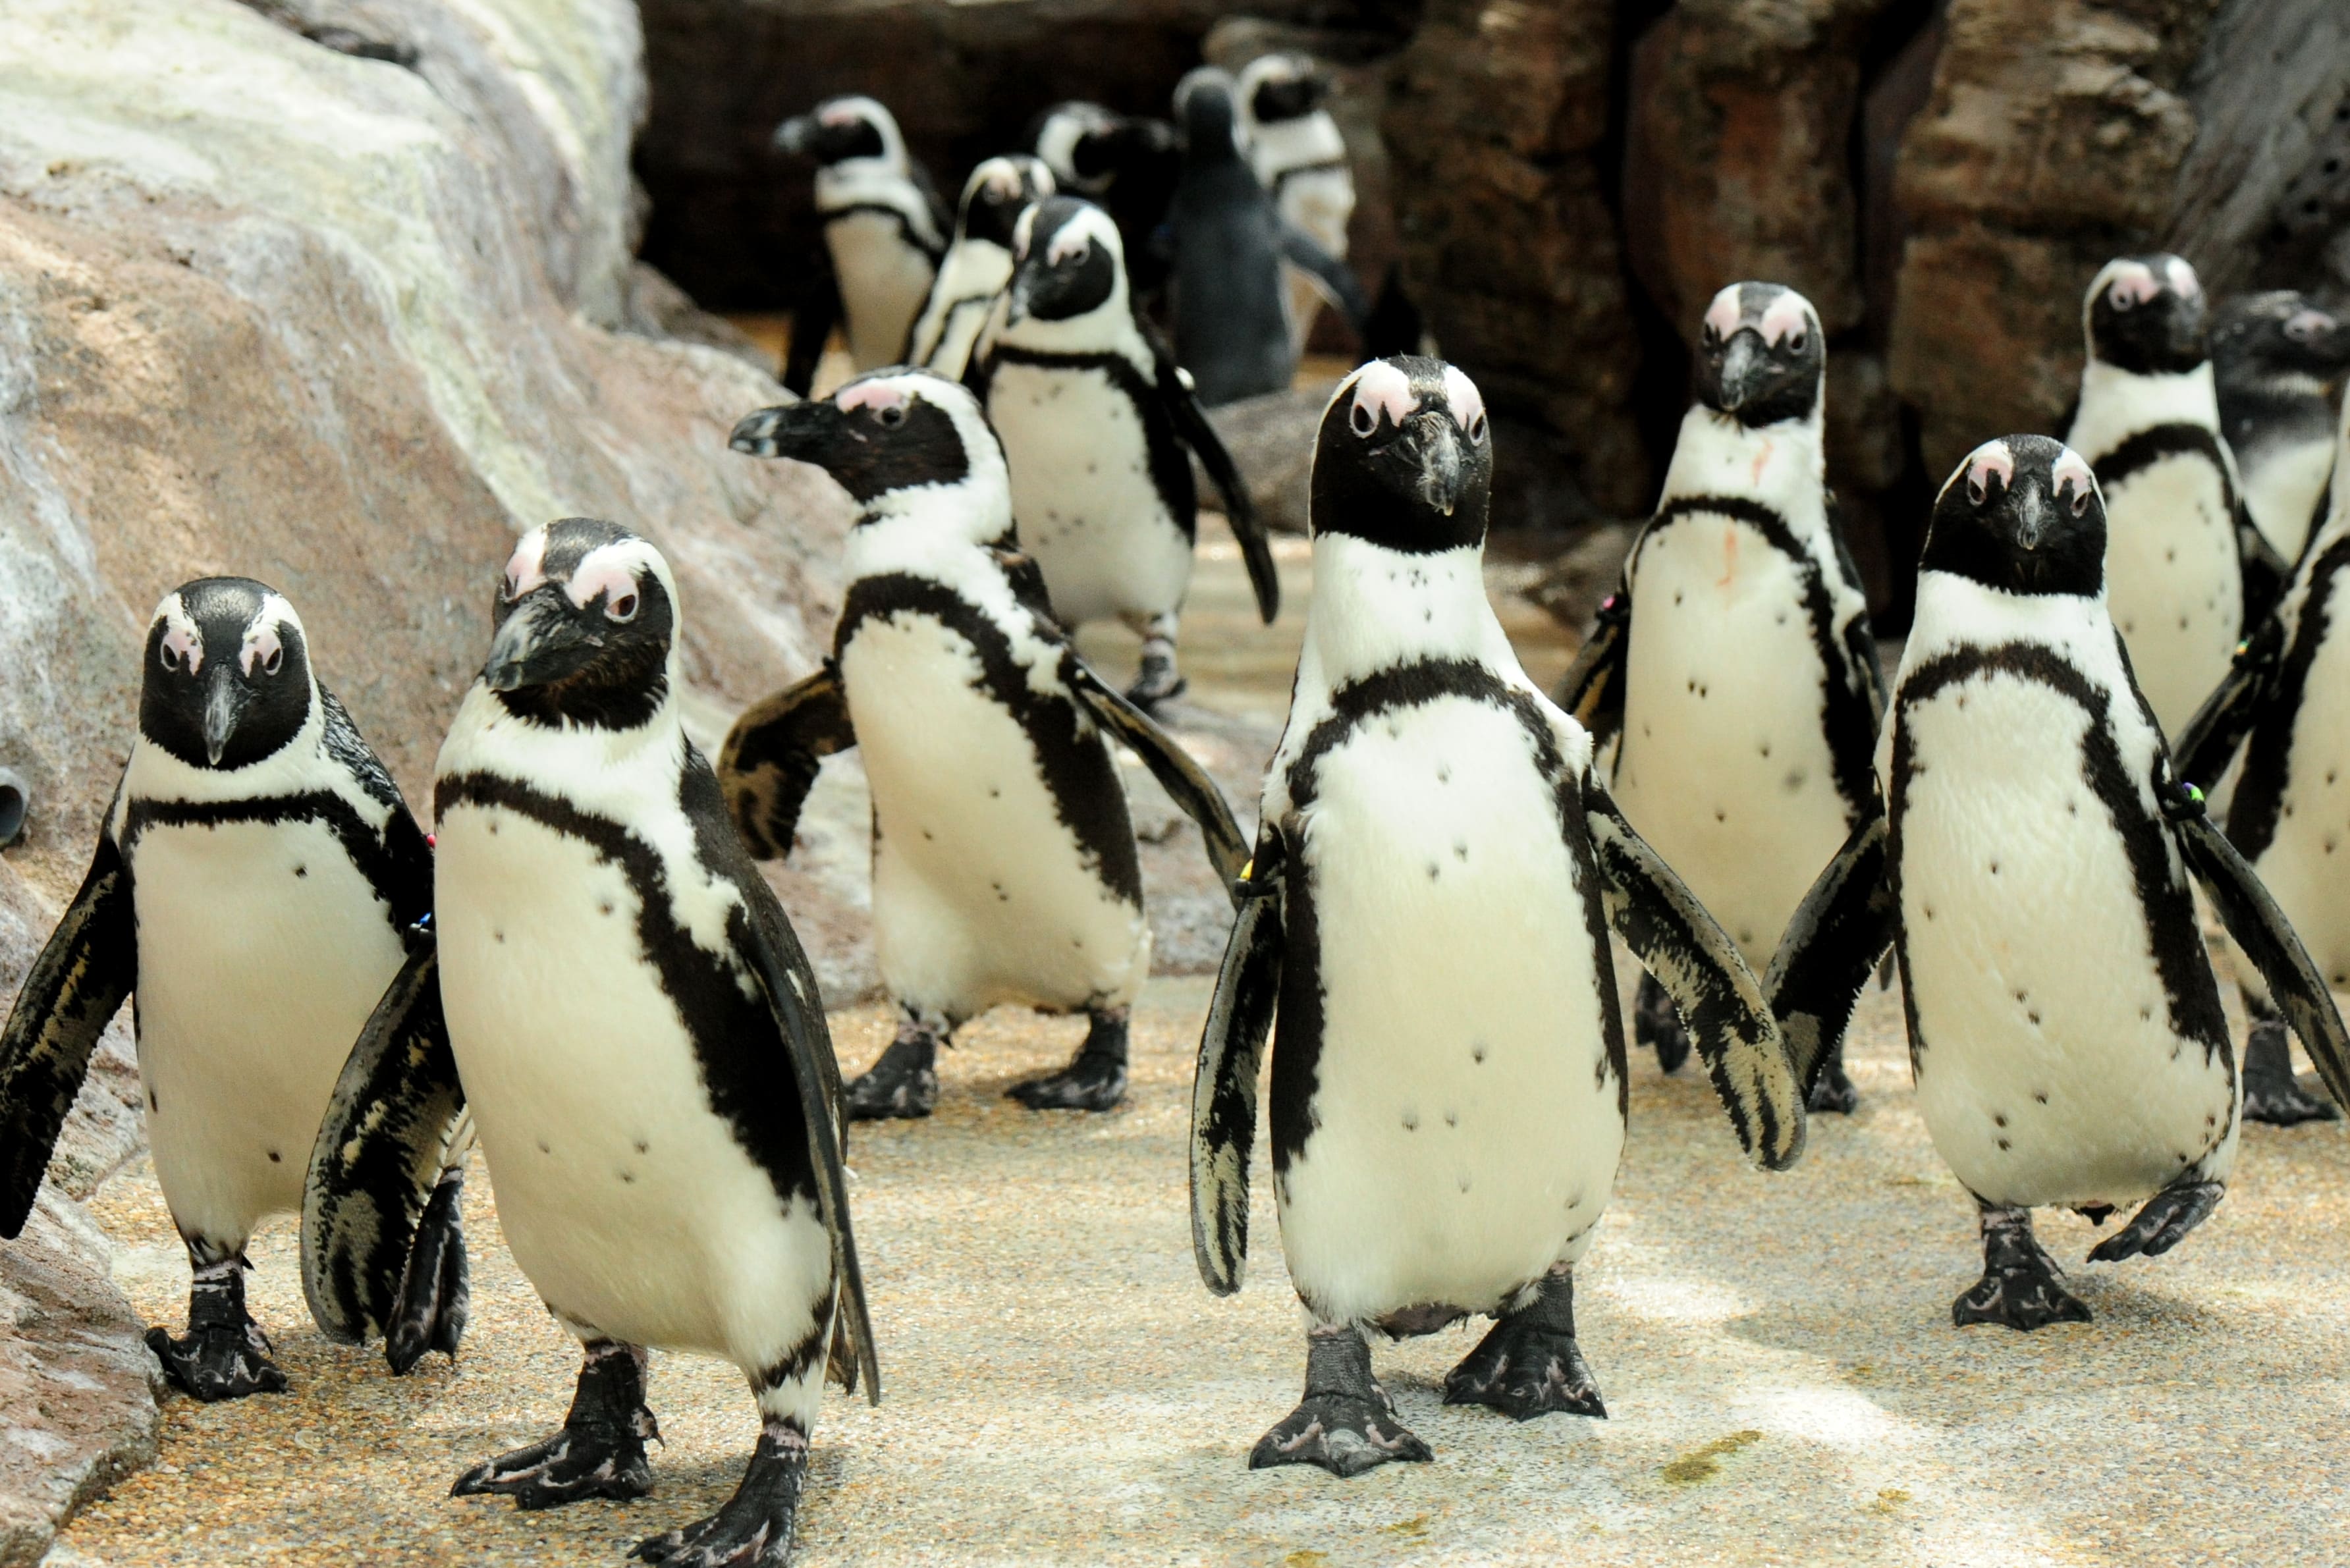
2163, 1223
1831, 1090
903, 1084
1656, 1022
1155, 682
1346, 1424
2271, 1094
599, 1452
1528, 1365
434, 1288
2019, 1286
1094, 1079
224, 1355
754, 1528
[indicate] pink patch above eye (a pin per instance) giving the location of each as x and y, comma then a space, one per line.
1381, 388
526, 569
613, 578
870, 395
261, 649
839, 114
1784, 319
1071, 243
1461, 392
2305, 323
1991, 458
2071, 468
2134, 283
2183, 281
186, 646
1722, 316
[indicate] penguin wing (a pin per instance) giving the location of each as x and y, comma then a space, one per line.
774, 752
403, 878
1834, 939
2228, 715
816, 311
1592, 690
1223, 1090
1175, 769
1696, 963
1191, 424
70, 994
379, 1149
1303, 251
1862, 672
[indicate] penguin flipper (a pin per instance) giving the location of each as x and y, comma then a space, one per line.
73, 990
1834, 939
1191, 424
1223, 1090
1866, 675
1699, 967
1592, 690
1176, 773
1303, 251
772, 754
379, 1153
816, 311
2228, 715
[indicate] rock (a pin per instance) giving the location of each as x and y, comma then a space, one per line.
1271, 440
1584, 573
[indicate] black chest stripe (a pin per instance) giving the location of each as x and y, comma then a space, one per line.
2168, 905
2268, 760
1171, 460
2156, 443
906, 230
396, 863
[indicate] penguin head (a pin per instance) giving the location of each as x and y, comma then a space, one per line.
228, 674
1761, 355
586, 618
891, 433
1404, 458
1205, 112
840, 130
1280, 86
1079, 143
2259, 336
2022, 514
2145, 315
1068, 261
997, 192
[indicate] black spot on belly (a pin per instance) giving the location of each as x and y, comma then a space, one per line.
1432, 871
498, 936
627, 1179
150, 1100
2041, 1098
301, 870
606, 906
276, 1157
643, 1146
2004, 1144
1460, 850
1412, 1121
1453, 1118
1999, 1121
543, 1149
1477, 1054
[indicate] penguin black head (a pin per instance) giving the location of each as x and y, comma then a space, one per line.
891, 431
1066, 262
1762, 355
2022, 514
228, 674
841, 129
1079, 143
2145, 315
2261, 337
1281, 86
1205, 110
586, 617
997, 192
1404, 458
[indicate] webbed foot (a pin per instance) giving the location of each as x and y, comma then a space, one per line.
1833, 1090
1656, 1022
755, 1530
599, 1452
1346, 1424
1094, 1079
434, 1288
2271, 1094
2019, 1288
903, 1084
1529, 1364
1156, 680
224, 1354
2162, 1223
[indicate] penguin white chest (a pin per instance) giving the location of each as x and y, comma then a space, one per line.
2175, 581
1463, 1104
2305, 863
2283, 491
2048, 1069
262, 950
884, 280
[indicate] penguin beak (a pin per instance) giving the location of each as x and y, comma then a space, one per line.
224, 701
2034, 519
1743, 363
2186, 323
540, 643
1437, 447
802, 431
796, 135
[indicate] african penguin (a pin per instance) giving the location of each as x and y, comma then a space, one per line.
885, 231
1004, 859
978, 266
258, 883
1426, 912
1298, 156
640, 1042
1124, 163
2278, 360
2148, 424
2031, 876
1095, 420
1737, 659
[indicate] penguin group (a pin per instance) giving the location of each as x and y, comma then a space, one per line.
582, 973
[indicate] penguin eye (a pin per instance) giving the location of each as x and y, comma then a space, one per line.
506, 587
1363, 420
2119, 297
622, 608
171, 657
2080, 500
1976, 489
275, 662
1796, 339
893, 414
1476, 431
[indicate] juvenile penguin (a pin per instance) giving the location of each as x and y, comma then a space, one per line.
885, 230
978, 266
1095, 421
1737, 661
1125, 164
1426, 912
640, 1040
2278, 361
1004, 858
2030, 875
257, 885
1299, 157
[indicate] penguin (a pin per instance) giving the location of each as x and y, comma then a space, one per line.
258, 883
1736, 661
1426, 916
1094, 419
1004, 859
2149, 423
978, 266
2030, 874
1234, 330
641, 1042
1298, 156
1125, 164
885, 232
2278, 360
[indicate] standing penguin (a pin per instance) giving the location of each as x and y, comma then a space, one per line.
1004, 859
2278, 361
1095, 420
1125, 164
978, 266
640, 1040
1298, 156
2031, 876
1428, 912
1737, 661
257, 884
885, 230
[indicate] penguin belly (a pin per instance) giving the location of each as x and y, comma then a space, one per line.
1463, 1105
884, 279
626, 1200
2306, 864
2283, 488
982, 892
262, 950
1083, 499
2175, 582
2048, 1070
1320, 202
1724, 767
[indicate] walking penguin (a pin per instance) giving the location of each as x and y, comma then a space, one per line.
978, 266
2278, 360
1426, 912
